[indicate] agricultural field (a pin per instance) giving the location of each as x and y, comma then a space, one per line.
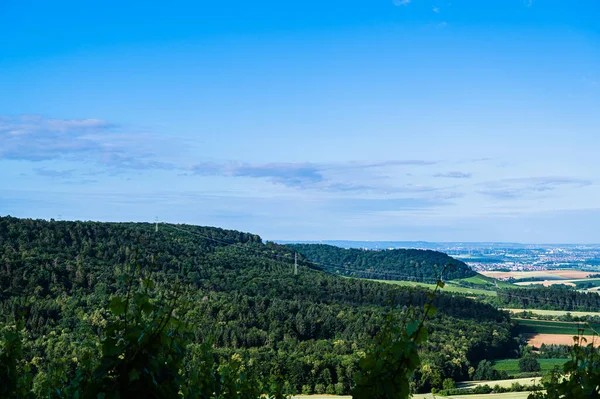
578, 279
483, 280
483, 285
507, 395
502, 383
554, 312
545, 274
526, 326
538, 332
449, 287
536, 340
511, 366
583, 284
415, 396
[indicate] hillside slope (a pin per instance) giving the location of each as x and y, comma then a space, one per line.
309, 327
392, 264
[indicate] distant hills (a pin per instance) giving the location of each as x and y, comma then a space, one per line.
390, 264
435, 245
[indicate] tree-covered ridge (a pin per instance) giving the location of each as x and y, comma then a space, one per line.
550, 298
390, 264
308, 329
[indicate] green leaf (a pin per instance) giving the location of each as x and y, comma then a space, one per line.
412, 327
430, 310
147, 307
140, 299
117, 305
134, 375
148, 283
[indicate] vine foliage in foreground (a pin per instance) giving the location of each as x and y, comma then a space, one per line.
580, 377
385, 370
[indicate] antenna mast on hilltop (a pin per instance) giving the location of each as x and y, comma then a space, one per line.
295, 263
156, 226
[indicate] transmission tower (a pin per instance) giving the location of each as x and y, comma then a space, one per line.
295, 264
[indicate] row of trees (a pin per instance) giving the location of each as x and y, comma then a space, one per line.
548, 298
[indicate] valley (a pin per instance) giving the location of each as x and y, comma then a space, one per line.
300, 314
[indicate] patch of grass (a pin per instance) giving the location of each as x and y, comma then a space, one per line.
448, 288
511, 366
480, 279
587, 284
553, 312
551, 327
507, 395
502, 383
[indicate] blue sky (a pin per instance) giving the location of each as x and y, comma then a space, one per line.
370, 120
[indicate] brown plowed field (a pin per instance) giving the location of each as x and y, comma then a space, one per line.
537, 340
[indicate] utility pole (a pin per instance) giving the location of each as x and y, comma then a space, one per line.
295, 263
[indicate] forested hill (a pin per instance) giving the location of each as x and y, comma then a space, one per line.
391, 264
308, 328
548, 298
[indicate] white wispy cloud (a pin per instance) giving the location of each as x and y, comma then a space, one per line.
340, 177
454, 175
401, 2
37, 138
518, 188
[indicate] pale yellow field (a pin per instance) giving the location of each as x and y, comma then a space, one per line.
469, 384
322, 397
537, 340
554, 312
507, 395
546, 283
550, 274
502, 383
415, 396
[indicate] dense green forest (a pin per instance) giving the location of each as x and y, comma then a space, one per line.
550, 298
392, 264
309, 330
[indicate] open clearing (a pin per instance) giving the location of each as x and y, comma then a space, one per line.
573, 283
502, 383
579, 279
468, 384
547, 274
447, 288
553, 312
546, 283
507, 395
484, 281
536, 340
415, 396
485, 285
511, 366
528, 326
